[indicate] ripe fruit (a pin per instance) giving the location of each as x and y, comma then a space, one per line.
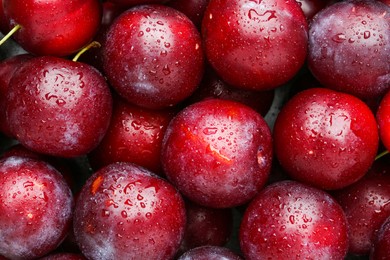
126, 212
325, 138
53, 27
218, 153
153, 56
381, 246
135, 135
289, 220
383, 118
209, 253
36, 206
255, 44
348, 47
58, 107
366, 206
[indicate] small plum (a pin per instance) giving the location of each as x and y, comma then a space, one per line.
326, 138
58, 107
36, 205
217, 152
290, 220
125, 212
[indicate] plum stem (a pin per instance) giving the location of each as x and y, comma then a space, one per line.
381, 155
10, 33
93, 44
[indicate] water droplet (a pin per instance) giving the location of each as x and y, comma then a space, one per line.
210, 130
140, 197
124, 214
148, 215
140, 33
366, 34
28, 184
339, 38
166, 70
292, 219
128, 202
105, 213
60, 102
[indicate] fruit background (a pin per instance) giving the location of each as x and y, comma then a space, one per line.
241, 129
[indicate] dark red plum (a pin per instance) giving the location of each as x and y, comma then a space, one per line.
206, 226
135, 135
193, 9
58, 107
254, 44
348, 47
126, 212
381, 245
153, 56
366, 204
54, 27
218, 153
210, 253
290, 220
212, 86
326, 138
383, 118
36, 205
7, 68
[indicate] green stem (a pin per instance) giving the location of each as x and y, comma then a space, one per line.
381, 155
10, 33
93, 44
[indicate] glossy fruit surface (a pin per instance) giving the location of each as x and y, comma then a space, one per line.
366, 204
348, 47
325, 138
209, 253
381, 246
217, 152
53, 27
58, 107
255, 44
126, 212
135, 135
36, 206
153, 56
289, 220
383, 118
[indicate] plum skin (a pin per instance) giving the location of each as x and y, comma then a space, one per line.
153, 56
348, 47
36, 205
218, 153
55, 27
255, 44
126, 212
383, 118
326, 138
58, 107
289, 219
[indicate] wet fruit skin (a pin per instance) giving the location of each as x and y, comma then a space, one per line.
290, 220
348, 47
135, 135
255, 44
7, 68
325, 138
209, 253
126, 212
381, 246
206, 226
366, 204
56, 27
58, 107
36, 206
153, 56
383, 118
218, 153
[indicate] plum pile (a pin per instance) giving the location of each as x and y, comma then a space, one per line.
194, 129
